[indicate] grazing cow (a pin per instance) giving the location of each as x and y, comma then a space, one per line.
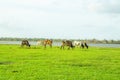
77, 43
25, 42
47, 42
67, 43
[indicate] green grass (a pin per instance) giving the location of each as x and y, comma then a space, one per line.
37, 63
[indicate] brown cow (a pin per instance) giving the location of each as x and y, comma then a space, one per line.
47, 42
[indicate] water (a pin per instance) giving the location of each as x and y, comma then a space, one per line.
59, 44
105, 45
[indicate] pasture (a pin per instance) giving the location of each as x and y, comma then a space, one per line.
37, 63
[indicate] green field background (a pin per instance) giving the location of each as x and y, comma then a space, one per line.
37, 63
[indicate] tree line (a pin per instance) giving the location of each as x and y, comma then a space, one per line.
96, 41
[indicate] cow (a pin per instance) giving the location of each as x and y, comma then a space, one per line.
76, 43
67, 43
47, 42
25, 42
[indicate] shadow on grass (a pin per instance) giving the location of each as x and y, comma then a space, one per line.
6, 63
81, 65
30, 47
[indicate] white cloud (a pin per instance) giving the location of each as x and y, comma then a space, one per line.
111, 6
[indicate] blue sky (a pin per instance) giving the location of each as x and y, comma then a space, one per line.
65, 19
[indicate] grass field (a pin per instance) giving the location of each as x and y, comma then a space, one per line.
37, 63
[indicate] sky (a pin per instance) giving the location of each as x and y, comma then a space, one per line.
63, 19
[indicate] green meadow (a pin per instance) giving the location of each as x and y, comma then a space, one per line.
37, 63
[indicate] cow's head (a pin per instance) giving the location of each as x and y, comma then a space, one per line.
29, 45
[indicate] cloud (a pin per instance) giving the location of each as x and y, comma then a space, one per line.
79, 6
111, 6
59, 18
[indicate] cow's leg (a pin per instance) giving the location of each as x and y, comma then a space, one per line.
83, 46
21, 45
51, 45
87, 46
68, 47
61, 47
44, 45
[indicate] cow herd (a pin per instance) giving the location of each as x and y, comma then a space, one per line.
70, 44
